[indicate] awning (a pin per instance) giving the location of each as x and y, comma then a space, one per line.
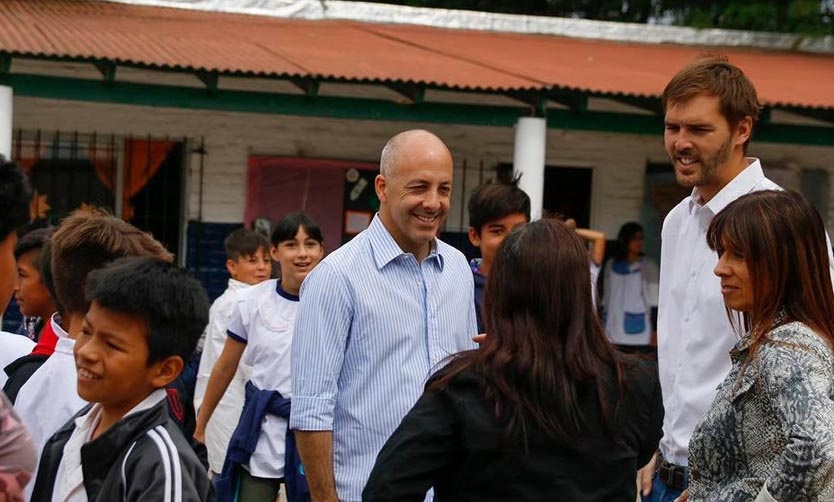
349, 51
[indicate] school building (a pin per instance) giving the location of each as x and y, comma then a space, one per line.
189, 121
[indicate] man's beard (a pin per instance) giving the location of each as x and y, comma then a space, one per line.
710, 165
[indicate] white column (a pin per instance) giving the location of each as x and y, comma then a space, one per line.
528, 160
6, 121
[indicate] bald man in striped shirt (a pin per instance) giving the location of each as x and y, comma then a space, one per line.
377, 317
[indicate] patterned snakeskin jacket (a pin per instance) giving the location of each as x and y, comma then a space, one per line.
770, 431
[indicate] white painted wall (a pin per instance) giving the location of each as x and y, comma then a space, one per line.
618, 160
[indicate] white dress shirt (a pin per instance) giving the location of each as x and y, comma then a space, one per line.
225, 417
694, 333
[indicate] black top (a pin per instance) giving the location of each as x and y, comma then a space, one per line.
142, 457
20, 371
451, 440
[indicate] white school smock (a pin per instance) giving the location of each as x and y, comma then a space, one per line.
629, 296
264, 320
223, 421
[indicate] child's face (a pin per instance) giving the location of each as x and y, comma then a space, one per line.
252, 268
111, 355
297, 258
29, 291
492, 234
635, 245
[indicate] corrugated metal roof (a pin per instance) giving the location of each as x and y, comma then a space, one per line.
159, 37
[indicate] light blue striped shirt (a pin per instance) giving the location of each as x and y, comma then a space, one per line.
372, 326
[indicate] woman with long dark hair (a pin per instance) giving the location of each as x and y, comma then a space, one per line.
545, 409
770, 432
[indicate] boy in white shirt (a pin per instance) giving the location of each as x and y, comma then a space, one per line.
248, 263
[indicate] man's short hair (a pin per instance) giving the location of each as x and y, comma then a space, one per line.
87, 240
15, 197
496, 199
714, 75
243, 242
170, 302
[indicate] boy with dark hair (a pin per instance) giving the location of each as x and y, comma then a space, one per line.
143, 323
35, 298
30, 292
248, 263
85, 241
495, 208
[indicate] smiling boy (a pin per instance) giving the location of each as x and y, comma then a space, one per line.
144, 320
495, 208
248, 263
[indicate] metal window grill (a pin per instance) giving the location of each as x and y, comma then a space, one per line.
72, 170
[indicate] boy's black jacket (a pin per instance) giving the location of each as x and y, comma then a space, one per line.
127, 462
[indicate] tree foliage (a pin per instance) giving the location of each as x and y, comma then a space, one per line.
814, 17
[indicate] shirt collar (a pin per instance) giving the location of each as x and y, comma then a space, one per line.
55, 320
284, 293
385, 249
88, 419
235, 284
743, 183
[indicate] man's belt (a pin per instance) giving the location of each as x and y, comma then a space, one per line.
673, 475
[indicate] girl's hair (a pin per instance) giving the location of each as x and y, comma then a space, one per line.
287, 228
624, 238
545, 347
782, 239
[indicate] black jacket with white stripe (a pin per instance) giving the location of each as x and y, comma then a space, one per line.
144, 456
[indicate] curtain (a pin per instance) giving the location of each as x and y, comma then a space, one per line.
142, 160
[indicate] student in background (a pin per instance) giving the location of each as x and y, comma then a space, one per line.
261, 456
20, 370
30, 292
629, 297
495, 208
144, 320
248, 263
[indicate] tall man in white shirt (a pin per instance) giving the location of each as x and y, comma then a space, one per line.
710, 111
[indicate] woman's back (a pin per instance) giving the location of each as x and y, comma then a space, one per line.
451, 440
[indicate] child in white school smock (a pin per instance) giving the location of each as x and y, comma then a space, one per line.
261, 331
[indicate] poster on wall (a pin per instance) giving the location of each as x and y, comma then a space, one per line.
321, 188
360, 201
